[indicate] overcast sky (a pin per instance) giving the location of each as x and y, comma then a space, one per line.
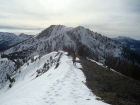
109, 17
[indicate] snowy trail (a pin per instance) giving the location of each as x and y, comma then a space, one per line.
61, 86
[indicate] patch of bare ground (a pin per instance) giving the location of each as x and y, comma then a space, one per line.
111, 87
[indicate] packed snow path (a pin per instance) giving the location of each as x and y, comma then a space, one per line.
61, 86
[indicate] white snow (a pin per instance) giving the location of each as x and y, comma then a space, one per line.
11, 38
100, 64
64, 85
58, 36
6, 66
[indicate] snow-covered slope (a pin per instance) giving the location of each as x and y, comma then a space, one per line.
37, 84
58, 37
9, 39
129, 43
23, 36
6, 67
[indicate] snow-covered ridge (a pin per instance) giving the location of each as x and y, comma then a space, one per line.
63, 85
54, 30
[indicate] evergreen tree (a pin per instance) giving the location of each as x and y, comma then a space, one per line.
81, 51
45, 64
9, 78
32, 60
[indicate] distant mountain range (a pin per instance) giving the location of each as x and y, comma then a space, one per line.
129, 43
9, 39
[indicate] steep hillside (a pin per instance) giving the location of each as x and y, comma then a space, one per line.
49, 80
129, 43
79, 39
111, 86
6, 66
9, 39
58, 37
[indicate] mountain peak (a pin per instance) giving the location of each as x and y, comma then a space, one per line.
53, 31
58, 26
79, 27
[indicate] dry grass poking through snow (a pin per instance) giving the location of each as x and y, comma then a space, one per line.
112, 87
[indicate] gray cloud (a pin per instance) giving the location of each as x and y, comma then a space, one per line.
19, 28
111, 17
